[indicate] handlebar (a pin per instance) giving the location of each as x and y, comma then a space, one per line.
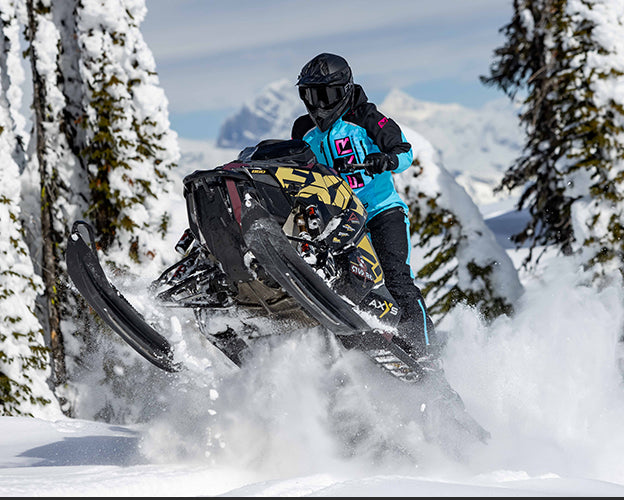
352, 167
348, 167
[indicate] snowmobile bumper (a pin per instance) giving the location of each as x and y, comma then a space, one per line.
89, 278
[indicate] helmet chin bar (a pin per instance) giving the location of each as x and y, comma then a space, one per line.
325, 118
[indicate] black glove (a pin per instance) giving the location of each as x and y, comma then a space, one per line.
340, 164
376, 163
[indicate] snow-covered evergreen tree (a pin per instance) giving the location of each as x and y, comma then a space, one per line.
567, 58
62, 193
595, 167
12, 72
455, 256
103, 152
130, 147
24, 358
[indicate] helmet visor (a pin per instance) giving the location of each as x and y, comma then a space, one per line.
322, 97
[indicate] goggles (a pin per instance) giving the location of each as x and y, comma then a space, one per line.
322, 97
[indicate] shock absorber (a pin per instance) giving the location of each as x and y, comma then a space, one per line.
304, 247
323, 258
185, 241
313, 220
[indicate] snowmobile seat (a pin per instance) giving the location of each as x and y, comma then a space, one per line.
279, 151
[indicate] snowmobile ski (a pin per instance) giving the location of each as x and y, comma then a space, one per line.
89, 278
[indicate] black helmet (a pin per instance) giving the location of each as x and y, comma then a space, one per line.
326, 87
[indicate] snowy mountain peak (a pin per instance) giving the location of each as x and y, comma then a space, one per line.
269, 115
476, 145
418, 110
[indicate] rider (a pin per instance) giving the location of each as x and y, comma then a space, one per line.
342, 127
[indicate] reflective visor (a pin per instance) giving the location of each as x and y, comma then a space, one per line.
322, 97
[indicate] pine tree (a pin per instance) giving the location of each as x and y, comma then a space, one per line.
103, 149
24, 358
60, 176
565, 57
130, 148
595, 124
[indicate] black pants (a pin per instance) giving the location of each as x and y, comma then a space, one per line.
389, 232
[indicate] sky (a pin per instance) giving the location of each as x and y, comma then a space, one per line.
212, 56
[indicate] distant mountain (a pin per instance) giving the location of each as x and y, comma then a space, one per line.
475, 145
269, 116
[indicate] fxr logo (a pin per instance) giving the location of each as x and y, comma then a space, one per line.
355, 180
343, 146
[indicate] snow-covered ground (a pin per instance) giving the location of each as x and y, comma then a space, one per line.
546, 384
86, 459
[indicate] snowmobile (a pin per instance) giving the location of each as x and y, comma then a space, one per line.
279, 235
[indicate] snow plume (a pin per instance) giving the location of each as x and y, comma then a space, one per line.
299, 405
288, 411
545, 383
113, 383
270, 420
